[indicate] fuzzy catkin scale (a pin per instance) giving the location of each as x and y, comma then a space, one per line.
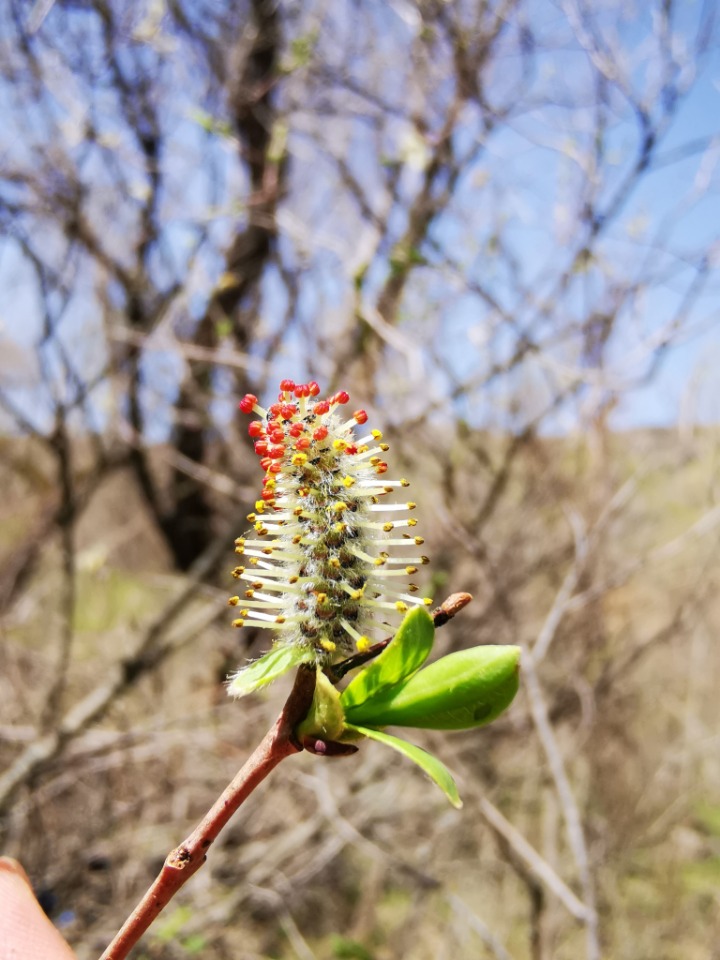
324, 566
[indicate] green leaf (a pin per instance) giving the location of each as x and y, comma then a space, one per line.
433, 767
268, 668
404, 655
325, 719
465, 689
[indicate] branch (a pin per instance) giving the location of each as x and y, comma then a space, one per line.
185, 860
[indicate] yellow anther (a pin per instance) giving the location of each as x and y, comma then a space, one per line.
260, 506
412, 522
363, 448
267, 551
348, 481
279, 619
334, 562
375, 461
293, 579
401, 607
339, 444
418, 540
340, 527
297, 511
233, 601
339, 507
411, 570
240, 550
362, 643
376, 434
321, 597
404, 482
298, 459
424, 559
238, 623
238, 572
410, 505
387, 527
328, 645
427, 601
240, 541
380, 561
261, 528
384, 447
249, 594
251, 518
253, 561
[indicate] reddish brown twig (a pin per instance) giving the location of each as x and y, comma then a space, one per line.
185, 860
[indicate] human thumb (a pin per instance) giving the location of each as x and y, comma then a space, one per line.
25, 931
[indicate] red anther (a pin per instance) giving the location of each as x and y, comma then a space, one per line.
381, 468
275, 468
276, 434
296, 429
342, 397
256, 428
288, 410
313, 388
302, 444
320, 433
301, 390
267, 495
360, 416
276, 453
287, 385
266, 463
351, 449
248, 402
322, 407
261, 448
274, 410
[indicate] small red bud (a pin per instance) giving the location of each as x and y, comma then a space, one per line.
322, 407
320, 433
256, 428
261, 448
360, 416
287, 385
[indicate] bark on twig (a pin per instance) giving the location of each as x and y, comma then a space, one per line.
186, 859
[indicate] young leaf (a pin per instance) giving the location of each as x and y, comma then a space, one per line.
268, 668
402, 657
465, 689
433, 767
325, 717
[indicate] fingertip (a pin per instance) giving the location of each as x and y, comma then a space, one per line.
25, 931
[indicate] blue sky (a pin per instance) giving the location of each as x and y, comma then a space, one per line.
524, 183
